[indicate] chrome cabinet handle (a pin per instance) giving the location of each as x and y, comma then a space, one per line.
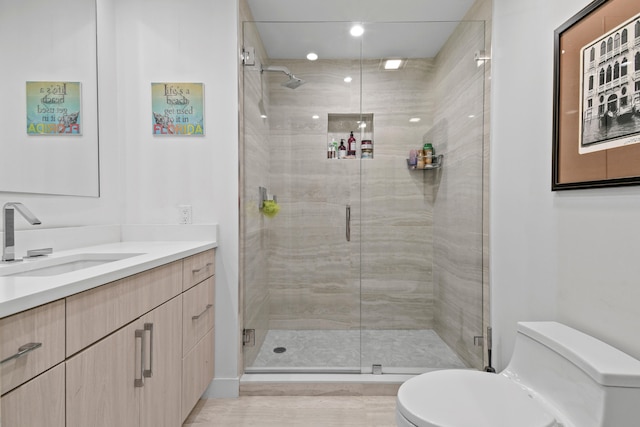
348, 214
209, 264
22, 350
148, 373
139, 382
203, 312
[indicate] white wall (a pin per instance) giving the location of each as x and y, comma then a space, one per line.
567, 256
143, 178
195, 42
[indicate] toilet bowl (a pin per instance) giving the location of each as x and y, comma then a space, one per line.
557, 377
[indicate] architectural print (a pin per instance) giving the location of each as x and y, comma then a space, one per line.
610, 83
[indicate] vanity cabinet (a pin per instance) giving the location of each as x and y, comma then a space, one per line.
31, 342
131, 378
39, 402
198, 267
197, 342
136, 352
32, 351
95, 313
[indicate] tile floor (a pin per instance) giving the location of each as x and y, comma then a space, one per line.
349, 349
293, 411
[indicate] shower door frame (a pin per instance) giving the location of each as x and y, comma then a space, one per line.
250, 217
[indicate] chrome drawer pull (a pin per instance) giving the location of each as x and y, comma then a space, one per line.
209, 264
139, 382
23, 350
148, 373
200, 315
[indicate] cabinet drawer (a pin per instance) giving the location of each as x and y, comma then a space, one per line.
41, 325
198, 267
39, 402
94, 314
197, 373
197, 313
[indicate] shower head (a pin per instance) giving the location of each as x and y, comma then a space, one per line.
293, 81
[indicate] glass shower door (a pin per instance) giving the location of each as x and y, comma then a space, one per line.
369, 266
301, 267
422, 229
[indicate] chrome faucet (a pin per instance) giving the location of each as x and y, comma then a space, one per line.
8, 241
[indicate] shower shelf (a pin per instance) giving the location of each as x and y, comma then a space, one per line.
437, 164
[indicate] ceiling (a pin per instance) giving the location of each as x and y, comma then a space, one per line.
393, 28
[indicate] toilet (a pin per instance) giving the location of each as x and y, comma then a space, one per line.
557, 377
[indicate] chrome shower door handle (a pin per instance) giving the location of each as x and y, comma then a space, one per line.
348, 215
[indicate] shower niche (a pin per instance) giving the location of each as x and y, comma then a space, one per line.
340, 127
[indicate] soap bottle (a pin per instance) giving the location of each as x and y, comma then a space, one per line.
352, 145
428, 153
342, 150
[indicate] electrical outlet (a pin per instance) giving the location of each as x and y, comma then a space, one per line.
184, 214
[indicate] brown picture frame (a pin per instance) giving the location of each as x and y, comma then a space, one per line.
596, 142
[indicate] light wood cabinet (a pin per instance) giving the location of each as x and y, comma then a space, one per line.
38, 335
137, 352
197, 373
198, 267
39, 402
197, 338
197, 313
131, 378
100, 382
96, 313
160, 406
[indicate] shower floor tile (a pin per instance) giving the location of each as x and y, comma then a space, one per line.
326, 349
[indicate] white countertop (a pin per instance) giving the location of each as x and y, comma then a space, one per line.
21, 293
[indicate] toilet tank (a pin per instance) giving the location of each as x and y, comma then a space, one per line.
586, 382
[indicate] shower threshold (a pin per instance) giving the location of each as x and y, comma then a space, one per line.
320, 384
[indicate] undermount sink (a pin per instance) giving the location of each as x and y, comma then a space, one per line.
67, 264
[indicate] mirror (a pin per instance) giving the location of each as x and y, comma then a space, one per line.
49, 108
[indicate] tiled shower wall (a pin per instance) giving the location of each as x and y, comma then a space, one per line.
314, 273
460, 237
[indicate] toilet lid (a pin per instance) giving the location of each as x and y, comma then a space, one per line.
462, 398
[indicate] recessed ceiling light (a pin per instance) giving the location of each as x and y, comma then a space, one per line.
357, 30
348, 79
392, 64
312, 56
414, 119
315, 117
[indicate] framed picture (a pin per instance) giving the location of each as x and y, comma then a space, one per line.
596, 123
53, 108
177, 109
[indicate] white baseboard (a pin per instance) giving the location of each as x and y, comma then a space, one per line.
221, 388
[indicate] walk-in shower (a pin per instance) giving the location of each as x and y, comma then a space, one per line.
371, 265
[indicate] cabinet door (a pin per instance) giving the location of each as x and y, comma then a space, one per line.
42, 328
37, 403
100, 382
197, 313
198, 267
197, 373
160, 403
